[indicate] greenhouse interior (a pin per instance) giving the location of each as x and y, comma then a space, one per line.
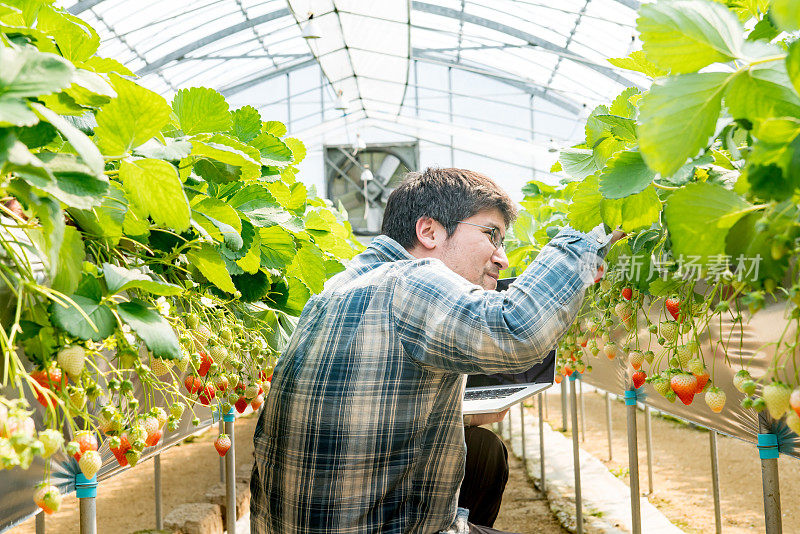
242, 269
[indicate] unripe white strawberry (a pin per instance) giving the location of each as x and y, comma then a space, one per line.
71, 360
636, 359
160, 415
150, 425
77, 396
176, 410
52, 440
715, 398
160, 367
610, 350
90, 463
183, 363
669, 330
251, 392
793, 422
48, 498
219, 354
740, 378
685, 353
776, 395
695, 366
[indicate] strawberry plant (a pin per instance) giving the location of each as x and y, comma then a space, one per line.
144, 244
700, 170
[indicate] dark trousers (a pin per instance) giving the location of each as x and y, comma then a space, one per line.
485, 476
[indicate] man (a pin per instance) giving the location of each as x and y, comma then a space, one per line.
362, 430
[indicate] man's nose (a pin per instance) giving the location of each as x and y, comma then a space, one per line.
499, 258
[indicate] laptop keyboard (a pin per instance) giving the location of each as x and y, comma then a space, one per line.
491, 393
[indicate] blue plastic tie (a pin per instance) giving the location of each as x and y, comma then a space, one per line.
575, 376
85, 488
768, 446
630, 397
229, 417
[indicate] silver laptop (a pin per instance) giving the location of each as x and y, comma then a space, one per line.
494, 393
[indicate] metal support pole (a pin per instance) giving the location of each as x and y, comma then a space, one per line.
522, 430
576, 459
546, 412
450, 104
288, 104
40, 523
230, 474
768, 451
649, 435
608, 424
533, 138
541, 444
510, 432
221, 459
633, 461
416, 88
564, 405
86, 491
157, 483
712, 436
583, 411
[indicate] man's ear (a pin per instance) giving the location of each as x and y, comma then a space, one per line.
428, 232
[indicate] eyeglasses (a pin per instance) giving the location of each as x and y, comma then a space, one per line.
494, 234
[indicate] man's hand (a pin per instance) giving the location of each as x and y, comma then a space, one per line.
480, 419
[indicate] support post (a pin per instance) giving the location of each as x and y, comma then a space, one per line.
546, 411
712, 436
510, 432
230, 474
583, 410
564, 405
576, 459
649, 435
608, 424
522, 431
633, 460
221, 459
86, 492
157, 484
40, 523
541, 444
768, 451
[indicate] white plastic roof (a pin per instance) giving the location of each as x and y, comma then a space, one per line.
487, 72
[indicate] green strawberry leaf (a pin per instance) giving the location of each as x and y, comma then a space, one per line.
762, 92
584, 211
699, 217
70, 261
69, 319
277, 247
253, 287
28, 72
201, 110
637, 62
785, 14
153, 187
633, 212
73, 183
624, 175
276, 128
84, 146
246, 123
273, 150
149, 325
120, 279
677, 118
211, 265
793, 65
687, 35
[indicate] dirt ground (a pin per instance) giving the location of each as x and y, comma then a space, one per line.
525, 509
125, 502
682, 469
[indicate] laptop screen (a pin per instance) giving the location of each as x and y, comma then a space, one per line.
541, 372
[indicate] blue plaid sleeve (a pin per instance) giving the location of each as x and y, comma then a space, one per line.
448, 323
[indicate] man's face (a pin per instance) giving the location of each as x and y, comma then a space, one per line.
471, 253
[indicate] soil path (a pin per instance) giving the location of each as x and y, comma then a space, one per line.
525, 509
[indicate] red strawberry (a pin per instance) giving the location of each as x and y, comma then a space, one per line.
222, 383
192, 383
154, 438
51, 378
119, 452
638, 379
205, 364
241, 405
600, 272
222, 444
627, 293
87, 442
702, 380
257, 402
48, 498
568, 370
210, 391
674, 308
684, 385
559, 378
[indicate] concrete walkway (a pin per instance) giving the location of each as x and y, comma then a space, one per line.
606, 499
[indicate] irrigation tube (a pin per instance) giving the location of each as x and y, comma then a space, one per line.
712, 436
576, 459
633, 461
230, 474
157, 480
541, 444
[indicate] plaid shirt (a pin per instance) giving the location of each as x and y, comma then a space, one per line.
362, 429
